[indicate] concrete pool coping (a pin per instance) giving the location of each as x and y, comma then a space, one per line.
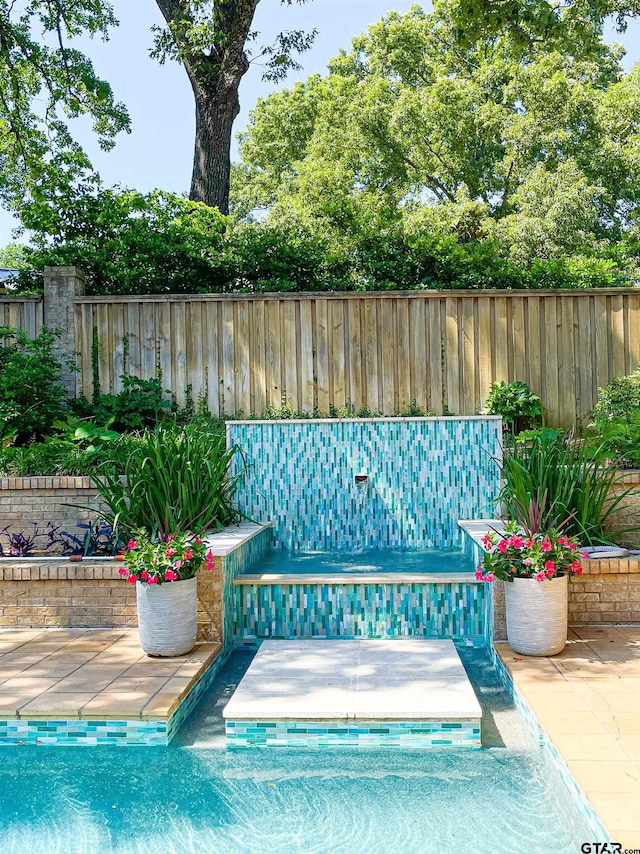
585, 704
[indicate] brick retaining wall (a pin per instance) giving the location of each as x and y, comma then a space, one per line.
627, 514
608, 591
92, 593
25, 501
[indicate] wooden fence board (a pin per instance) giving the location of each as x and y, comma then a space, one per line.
376, 350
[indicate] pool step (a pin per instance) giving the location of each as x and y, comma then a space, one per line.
354, 693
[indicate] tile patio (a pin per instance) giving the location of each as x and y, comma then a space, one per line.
587, 700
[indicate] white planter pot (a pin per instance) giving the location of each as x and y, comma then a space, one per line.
537, 615
168, 616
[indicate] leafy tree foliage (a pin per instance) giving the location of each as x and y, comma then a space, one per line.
526, 145
129, 242
43, 83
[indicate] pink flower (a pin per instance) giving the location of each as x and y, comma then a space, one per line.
197, 540
529, 543
489, 577
131, 545
527, 561
550, 566
479, 575
573, 547
170, 575
502, 546
584, 555
144, 574
153, 579
540, 576
178, 564
487, 542
517, 542
188, 554
563, 541
169, 552
546, 546
576, 567
123, 571
132, 578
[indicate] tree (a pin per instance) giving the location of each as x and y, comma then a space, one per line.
532, 143
45, 83
210, 38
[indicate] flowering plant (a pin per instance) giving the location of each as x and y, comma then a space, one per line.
517, 553
175, 557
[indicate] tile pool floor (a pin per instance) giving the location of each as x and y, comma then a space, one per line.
92, 674
587, 700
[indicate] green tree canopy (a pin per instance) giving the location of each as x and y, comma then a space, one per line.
44, 83
531, 143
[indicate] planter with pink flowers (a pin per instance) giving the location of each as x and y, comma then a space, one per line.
535, 567
164, 571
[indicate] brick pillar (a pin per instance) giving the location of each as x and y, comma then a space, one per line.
61, 285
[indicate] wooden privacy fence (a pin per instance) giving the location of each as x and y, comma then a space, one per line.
22, 313
381, 351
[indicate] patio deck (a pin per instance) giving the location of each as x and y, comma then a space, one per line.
94, 686
587, 702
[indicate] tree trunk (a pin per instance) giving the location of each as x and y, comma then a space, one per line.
215, 116
215, 76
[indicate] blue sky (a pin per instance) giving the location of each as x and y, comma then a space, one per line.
158, 151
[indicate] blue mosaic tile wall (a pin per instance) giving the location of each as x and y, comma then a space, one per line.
423, 475
430, 610
474, 553
559, 771
318, 734
240, 560
84, 733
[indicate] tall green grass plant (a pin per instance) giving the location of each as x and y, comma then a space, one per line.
175, 479
555, 482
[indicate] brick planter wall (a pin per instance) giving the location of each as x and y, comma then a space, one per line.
92, 594
25, 501
608, 591
627, 514
60, 594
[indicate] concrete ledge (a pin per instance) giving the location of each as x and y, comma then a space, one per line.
234, 537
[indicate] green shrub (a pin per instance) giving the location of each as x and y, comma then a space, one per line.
619, 399
63, 456
519, 407
615, 420
139, 405
32, 396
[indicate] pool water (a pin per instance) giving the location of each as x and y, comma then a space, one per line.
368, 561
196, 796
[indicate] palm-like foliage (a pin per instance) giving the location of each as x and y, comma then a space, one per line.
175, 479
554, 482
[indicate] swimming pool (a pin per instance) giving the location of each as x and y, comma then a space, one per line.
374, 561
197, 797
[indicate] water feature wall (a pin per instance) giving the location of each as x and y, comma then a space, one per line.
422, 475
